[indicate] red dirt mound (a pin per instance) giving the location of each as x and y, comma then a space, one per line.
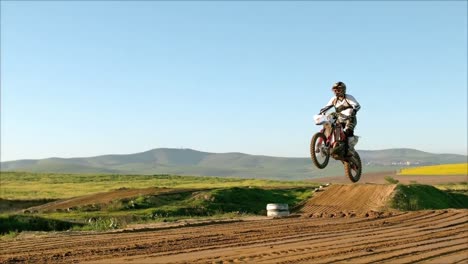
348, 200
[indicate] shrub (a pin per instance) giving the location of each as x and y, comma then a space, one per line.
391, 180
32, 223
418, 197
102, 224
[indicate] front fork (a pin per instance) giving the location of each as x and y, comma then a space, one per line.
327, 131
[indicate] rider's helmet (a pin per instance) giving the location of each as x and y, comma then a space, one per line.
339, 88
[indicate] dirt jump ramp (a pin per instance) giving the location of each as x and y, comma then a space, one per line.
349, 200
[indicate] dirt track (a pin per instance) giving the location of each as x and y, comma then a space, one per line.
439, 236
429, 236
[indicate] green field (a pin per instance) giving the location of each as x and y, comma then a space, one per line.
33, 186
461, 187
199, 197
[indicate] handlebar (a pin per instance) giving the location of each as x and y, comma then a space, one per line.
333, 117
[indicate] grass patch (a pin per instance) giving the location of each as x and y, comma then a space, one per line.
15, 205
419, 197
9, 236
461, 187
391, 180
32, 186
445, 169
18, 223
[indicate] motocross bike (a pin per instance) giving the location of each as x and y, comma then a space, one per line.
330, 141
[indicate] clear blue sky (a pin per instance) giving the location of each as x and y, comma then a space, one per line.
87, 78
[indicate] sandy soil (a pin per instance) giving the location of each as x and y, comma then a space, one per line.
369, 236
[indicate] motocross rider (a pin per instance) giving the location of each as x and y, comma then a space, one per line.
346, 106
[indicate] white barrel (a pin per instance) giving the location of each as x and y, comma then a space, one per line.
277, 209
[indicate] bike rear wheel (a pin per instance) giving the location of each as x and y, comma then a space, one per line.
353, 167
319, 152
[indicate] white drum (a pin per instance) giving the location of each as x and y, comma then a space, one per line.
274, 209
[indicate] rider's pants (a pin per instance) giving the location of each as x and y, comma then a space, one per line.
349, 126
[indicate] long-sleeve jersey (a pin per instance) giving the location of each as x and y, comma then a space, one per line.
344, 106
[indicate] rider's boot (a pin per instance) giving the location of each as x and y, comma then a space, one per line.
352, 141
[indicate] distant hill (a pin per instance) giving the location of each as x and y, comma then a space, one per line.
404, 156
193, 162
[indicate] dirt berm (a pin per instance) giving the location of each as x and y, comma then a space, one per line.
103, 198
349, 200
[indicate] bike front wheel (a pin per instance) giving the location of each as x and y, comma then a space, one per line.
319, 152
353, 167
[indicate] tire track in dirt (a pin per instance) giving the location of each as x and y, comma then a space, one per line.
251, 232
298, 252
391, 248
457, 257
253, 225
328, 246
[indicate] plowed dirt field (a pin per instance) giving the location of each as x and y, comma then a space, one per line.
369, 235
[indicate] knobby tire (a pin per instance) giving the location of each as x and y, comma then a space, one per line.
313, 143
349, 170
